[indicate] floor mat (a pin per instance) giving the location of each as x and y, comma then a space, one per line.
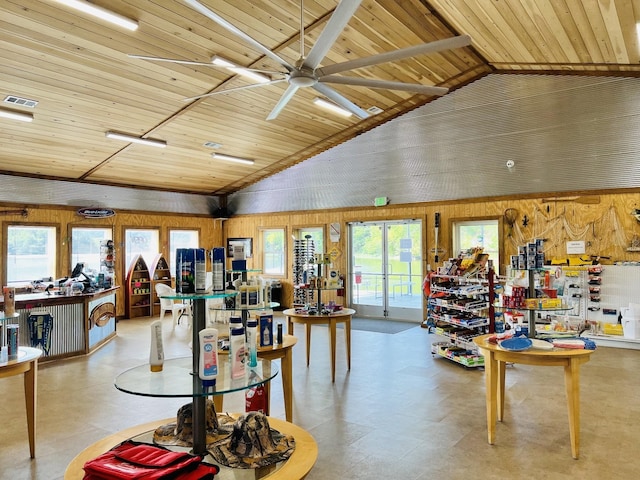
381, 326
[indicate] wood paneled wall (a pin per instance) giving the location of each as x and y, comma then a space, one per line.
604, 221
65, 218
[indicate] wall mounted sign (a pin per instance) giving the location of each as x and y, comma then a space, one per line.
575, 247
96, 212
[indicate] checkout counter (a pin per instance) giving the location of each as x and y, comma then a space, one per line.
65, 325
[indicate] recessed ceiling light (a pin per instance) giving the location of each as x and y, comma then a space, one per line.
101, 13
229, 158
133, 139
223, 62
331, 107
16, 115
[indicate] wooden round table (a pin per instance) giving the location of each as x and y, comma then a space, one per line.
297, 466
332, 319
27, 364
495, 360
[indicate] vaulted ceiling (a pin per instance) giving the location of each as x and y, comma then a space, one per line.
79, 71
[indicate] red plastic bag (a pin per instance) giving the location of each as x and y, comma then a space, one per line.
256, 399
139, 461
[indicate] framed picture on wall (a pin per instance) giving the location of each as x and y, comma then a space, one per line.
246, 242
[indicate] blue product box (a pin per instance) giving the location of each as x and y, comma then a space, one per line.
266, 330
238, 264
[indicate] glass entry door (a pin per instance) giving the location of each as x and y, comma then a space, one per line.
386, 269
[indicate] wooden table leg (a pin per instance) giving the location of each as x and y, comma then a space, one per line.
307, 326
332, 344
491, 380
287, 383
502, 368
290, 325
218, 403
347, 336
572, 385
30, 392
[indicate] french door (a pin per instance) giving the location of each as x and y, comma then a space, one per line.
385, 266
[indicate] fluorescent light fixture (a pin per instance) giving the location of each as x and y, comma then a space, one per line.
101, 13
331, 106
133, 139
255, 76
229, 158
15, 115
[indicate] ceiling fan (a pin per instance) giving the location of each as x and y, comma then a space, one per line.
306, 72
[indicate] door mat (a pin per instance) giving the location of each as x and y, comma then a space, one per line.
380, 326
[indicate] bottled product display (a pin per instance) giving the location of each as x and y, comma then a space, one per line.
156, 353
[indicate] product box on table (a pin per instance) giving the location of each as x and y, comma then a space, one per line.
265, 324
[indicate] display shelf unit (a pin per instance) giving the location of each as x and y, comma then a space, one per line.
532, 313
459, 308
138, 300
180, 378
303, 269
107, 263
160, 273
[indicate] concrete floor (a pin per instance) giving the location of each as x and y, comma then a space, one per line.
399, 413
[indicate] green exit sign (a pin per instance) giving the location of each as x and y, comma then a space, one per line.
381, 201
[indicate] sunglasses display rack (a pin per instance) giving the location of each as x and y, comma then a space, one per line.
303, 269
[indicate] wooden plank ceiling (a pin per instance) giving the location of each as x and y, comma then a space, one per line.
78, 69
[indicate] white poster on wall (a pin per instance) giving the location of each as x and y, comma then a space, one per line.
575, 247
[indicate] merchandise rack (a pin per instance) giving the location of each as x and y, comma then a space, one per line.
460, 309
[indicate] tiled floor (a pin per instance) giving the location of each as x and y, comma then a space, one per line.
399, 413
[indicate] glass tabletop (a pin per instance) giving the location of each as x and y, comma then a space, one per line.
238, 307
176, 378
200, 296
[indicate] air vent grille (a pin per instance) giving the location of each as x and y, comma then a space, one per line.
23, 102
215, 145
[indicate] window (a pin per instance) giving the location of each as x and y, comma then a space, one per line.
31, 253
478, 233
273, 251
141, 242
317, 235
85, 246
181, 239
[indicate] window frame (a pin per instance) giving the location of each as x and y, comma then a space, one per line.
5, 247
297, 233
285, 252
453, 229
125, 250
73, 226
171, 255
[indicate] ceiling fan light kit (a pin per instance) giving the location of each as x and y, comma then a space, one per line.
16, 115
306, 71
152, 142
230, 158
101, 13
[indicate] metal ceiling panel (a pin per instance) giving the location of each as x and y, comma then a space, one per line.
564, 133
47, 192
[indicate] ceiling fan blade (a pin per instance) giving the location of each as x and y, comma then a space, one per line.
431, 47
339, 19
237, 32
284, 99
234, 89
388, 85
334, 96
170, 60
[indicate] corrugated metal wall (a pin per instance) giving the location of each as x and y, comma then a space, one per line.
75, 194
564, 133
